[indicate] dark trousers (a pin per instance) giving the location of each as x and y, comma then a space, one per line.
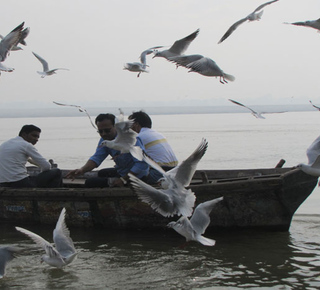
47, 179
103, 178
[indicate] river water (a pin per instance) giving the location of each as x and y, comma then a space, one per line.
160, 260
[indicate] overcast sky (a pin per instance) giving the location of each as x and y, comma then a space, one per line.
273, 63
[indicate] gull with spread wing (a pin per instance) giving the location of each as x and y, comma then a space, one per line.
46, 71
125, 139
24, 33
7, 253
202, 65
194, 228
64, 253
179, 46
142, 65
313, 154
173, 198
7, 44
315, 24
255, 15
81, 109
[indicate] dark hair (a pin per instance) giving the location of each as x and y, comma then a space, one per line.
142, 118
107, 116
28, 129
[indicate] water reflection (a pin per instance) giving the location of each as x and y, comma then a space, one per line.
141, 260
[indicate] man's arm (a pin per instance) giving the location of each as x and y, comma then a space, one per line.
90, 165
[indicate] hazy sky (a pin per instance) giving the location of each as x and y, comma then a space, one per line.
273, 63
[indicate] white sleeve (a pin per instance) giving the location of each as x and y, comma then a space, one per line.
37, 158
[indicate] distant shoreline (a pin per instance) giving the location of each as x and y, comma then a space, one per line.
165, 110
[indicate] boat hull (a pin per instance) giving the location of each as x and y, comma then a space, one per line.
261, 199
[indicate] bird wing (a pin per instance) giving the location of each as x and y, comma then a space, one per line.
318, 108
205, 66
6, 255
316, 163
237, 103
159, 200
146, 52
9, 41
187, 168
24, 35
263, 5
313, 151
184, 60
180, 46
43, 62
41, 242
232, 28
201, 215
81, 109
61, 237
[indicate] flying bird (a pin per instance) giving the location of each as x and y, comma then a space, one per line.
125, 139
179, 46
46, 71
64, 253
318, 108
255, 15
309, 23
6, 255
24, 33
313, 154
202, 65
142, 65
194, 228
173, 198
81, 109
256, 114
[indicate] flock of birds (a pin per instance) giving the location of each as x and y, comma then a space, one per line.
10, 43
172, 197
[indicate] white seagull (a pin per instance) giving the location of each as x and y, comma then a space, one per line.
6, 255
255, 15
46, 71
142, 65
309, 23
81, 109
125, 139
318, 108
202, 65
64, 253
179, 46
194, 228
313, 154
24, 33
173, 198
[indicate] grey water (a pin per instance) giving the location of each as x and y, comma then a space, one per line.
246, 259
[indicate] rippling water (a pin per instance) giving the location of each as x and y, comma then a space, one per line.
160, 260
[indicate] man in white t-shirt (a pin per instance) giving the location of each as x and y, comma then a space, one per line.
156, 145
16, 152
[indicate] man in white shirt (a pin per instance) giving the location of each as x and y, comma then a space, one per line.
16, 152
156, 145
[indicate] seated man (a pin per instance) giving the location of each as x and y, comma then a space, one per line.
124, 163
155, 144
14, 155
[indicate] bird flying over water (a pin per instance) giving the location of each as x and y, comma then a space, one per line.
46, 71
202, 65
142, 65
309, 23
64, 252
194, 228
81, 109
125, 139
255, 15
313, 154
179, 46
173, 198
7, 254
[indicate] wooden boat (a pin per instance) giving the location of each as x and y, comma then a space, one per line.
253, 198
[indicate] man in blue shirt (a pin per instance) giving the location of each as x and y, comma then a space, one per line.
124, 163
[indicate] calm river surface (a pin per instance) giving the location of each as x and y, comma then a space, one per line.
156, 260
